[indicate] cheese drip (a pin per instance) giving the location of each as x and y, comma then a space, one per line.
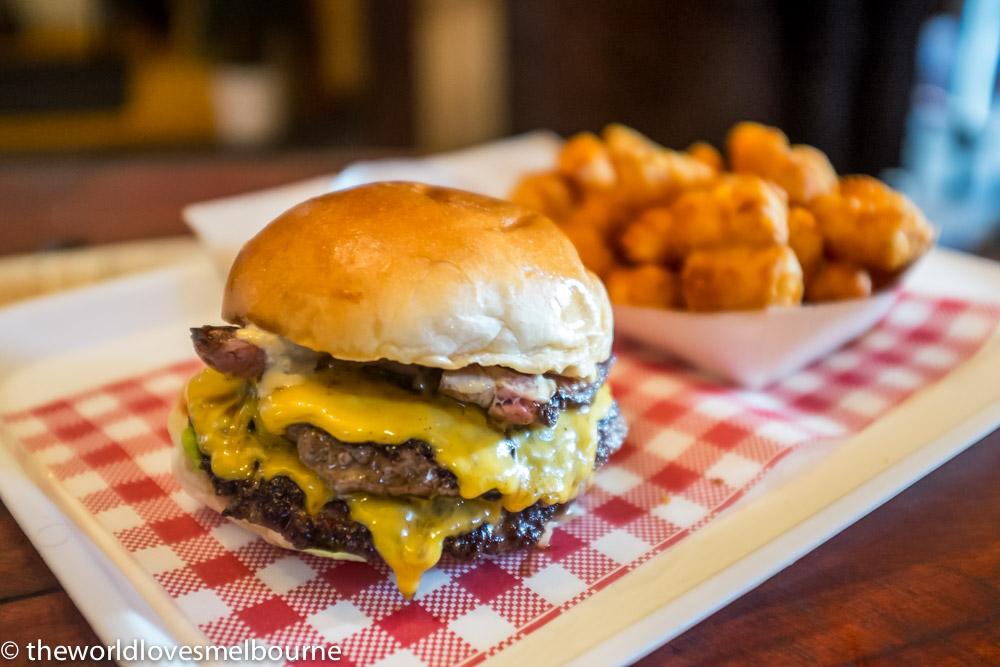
531, 464
409, 533
220, 409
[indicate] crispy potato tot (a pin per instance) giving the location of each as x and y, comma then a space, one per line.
697, 223
648, 173
777, 226
741, 278
593, 250
807, 174
546, 192
805, 239
706, 153
647, 239
836, 281
754, 148
585, 161
756, 212
603, 211
623, 140
867, 222
804, 172
739, 210
649, 285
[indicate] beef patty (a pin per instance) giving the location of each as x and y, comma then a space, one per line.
279, 504
406, 469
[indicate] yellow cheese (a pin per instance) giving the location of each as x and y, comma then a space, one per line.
531, 464
547, 464
221, 409
409, 533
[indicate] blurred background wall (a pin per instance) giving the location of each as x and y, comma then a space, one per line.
902, 88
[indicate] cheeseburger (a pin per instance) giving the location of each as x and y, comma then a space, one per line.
411, 371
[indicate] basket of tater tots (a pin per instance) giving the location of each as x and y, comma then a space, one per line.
749, 265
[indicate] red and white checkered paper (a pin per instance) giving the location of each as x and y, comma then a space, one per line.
695, 447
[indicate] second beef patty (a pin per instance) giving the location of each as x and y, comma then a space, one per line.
406, 469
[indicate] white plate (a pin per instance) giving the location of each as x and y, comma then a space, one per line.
59, 345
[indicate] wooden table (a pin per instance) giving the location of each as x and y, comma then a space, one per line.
915, 582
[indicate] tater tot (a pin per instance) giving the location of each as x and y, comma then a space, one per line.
697, 223
602, 210
589, 243
756, 211
648, 173
805, 239
739, 210
753, 148
623, 140
764, 222
648, 237
706, 153
806, 175
649, 286
867, 222
804, 172
741, 278
546, 192
585, 161
836, 281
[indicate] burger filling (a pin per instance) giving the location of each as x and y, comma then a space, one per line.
418, 459
278, 503
510, 398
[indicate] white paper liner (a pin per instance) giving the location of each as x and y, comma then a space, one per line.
753, 348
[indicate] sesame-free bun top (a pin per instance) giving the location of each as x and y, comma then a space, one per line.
424, 275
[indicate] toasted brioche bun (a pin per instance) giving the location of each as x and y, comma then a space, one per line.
423, 275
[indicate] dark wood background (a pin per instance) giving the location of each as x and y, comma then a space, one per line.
837, 74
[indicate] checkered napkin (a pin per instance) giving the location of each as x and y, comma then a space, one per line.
695, 447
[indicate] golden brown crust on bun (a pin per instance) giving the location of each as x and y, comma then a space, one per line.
423, 275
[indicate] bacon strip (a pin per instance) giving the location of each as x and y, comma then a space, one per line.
510, 398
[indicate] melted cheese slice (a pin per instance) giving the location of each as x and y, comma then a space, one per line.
221, 409
532, 464
409, 533
236, 429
